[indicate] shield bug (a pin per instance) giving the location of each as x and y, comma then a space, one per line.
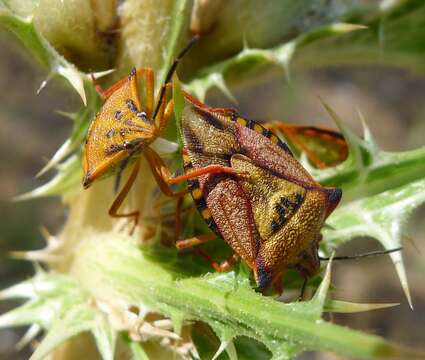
271, 215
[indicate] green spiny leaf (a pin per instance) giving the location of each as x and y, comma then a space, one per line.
65, 182
111, 266
339, 306
249, 59
81, 121
383, 217
72, 319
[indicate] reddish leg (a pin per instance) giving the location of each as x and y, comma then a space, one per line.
149, 78
198, 104
194, 241
165, 179
113, 211
201, 239
288, 130
224, 266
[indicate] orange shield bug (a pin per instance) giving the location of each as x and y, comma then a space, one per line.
124, 127
323, 147
271, 210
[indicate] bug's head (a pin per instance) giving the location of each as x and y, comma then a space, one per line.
87, 181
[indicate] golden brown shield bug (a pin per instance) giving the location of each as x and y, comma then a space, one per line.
272, 215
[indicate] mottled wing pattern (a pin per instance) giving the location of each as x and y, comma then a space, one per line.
274, 199
120, 120
272, 214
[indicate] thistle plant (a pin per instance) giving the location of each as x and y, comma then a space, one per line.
100, 292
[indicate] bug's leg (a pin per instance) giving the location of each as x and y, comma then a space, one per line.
163, 121
224, 266
149, 91
210, 169
195, 241
105, 93
303, 288
113, 211
291, 133
160, 173
149, 85
195, 102
102, 93
165, 179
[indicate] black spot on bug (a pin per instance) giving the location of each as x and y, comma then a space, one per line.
285, 147
275, 226
130, 123
132, 73
129, 145
132, 106
280, 210
334, 195
110, 133
299, 199
250, 124
282, 207
267, 133
142, 115
86, 180
118, 115
113, 148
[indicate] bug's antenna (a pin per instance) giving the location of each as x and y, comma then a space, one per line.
364, 255
172, 69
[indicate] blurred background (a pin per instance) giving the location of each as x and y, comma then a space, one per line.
391, 100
